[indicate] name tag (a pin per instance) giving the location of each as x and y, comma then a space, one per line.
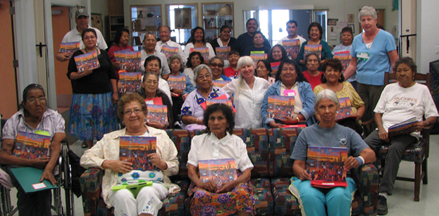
363, 56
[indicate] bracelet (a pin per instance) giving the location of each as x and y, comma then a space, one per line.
298, 119
360, 160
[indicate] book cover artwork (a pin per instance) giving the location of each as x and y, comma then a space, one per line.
317, 48
157, 113
87, 61
292, 47
31, 146
346, 110
204, 52
220, 83
220, 171
274, 68
135, 149
280, 106
69, 48
220, 101
130, 82
258, 55
128, 59
405, 127
168, 51
344, 57
223, 52
325, 165
177, 82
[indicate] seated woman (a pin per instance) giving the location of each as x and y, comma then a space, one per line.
33, 117
290, 80
337, 200
277, 54
149, 90
232, 71
192, 112
216, 64
194, 59
153, 64
227, 198
398, 102
312, 74
105, 155
333, 79
258, 45
263, 71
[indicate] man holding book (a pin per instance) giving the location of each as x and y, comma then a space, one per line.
292, 35
165, 40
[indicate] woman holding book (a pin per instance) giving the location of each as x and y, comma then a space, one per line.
92, 113
290, 82
149, 90
276, 55
248, 92
197, 40
333, 79
194, 59
33, 117
152, 186
224, 39
192, 110
216, 197
399, 102
336, 200
121, 40
263, 70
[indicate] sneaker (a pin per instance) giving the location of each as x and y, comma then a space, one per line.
382, 205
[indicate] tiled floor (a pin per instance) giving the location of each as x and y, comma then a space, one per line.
400, 203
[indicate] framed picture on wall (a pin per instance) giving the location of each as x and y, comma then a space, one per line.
352, 26
96, 21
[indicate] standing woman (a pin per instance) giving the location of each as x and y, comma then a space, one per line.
248, 93
373, 53
121, 40
197, 40
263, 70
315, 32
224, 39
92, 113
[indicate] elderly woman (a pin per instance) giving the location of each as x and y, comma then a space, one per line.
399, 102
153, 64
105, 155
232, 71
290, 80
346, 45
33, 117
194, 59
373, 53
312, 74
149, 90
263, 71
333, 79
192, 112
229, 198
121, 40
337, 200
216, 64
315, 32
197, 40
92, 113
248, 93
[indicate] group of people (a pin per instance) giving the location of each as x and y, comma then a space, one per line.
316, 93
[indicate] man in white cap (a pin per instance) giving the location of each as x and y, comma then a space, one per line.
81, 19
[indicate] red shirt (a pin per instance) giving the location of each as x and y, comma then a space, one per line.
114, 49
229, 72
313, 80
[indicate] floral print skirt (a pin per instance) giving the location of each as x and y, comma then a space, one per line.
206, 203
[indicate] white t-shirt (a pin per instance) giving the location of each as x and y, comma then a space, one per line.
398, 104
247, 102
158, 48
74, 35
164, 69
187, 50
208, 147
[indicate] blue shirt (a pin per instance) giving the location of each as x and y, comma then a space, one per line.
374, 62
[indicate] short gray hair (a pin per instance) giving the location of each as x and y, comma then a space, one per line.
199, 68
245, 60
367, 11
326, 93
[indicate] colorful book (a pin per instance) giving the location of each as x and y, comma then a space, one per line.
220, 170
405, 127
135, 149
280, 106
220, 83
69, 48
177, 82
157, 113
130, 81
346, 110
168, 51
203, 50
128, 59
31, 146
292, 47
223, 52
317, 48
227, 102
274, 68
325, 165
258, 55
344, 57
88, 60
154, 101
29, 179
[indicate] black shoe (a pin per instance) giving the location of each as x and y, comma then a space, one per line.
382, 205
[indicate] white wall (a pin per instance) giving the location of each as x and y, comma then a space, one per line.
427, 33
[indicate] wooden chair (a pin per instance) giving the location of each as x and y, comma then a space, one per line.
417, 152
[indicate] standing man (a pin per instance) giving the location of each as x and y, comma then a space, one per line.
81, 19
165, 39
150, 44
245, 40
292, 34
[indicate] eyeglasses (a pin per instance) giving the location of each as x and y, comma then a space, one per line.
129, 112
34, 100
216, 65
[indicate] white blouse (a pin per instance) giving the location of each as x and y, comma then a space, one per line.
248, 102
187, 51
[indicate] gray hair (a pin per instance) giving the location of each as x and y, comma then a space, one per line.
309, 54
199, 68
216, 57
245, 60
367, 11
172, 57
326, 93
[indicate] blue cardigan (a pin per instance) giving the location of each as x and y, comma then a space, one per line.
306, 96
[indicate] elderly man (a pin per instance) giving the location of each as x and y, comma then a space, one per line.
245, 40
165, 39
292, 35
81, 19
150, 43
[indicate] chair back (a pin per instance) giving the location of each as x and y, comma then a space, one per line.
419, 78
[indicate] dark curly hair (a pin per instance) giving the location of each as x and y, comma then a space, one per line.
300, 76
189, 63
282, 49
227, 111
315, 24
336, 65
151, 58
192, 38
